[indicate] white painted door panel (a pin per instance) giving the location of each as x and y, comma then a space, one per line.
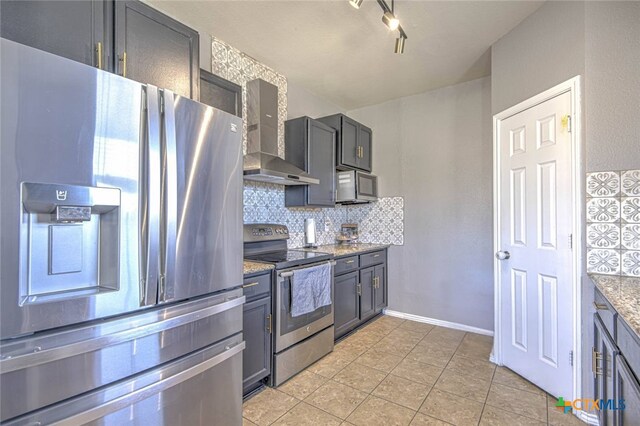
536, 223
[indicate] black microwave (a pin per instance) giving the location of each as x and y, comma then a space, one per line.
356, 187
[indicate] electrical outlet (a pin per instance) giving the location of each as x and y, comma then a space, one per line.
327, 224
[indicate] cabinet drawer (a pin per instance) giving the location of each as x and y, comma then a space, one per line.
606, 312
629, 345
372, 258
346, 264
256, 286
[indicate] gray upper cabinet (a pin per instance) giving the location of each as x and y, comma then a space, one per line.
77, 30
310, 145
152, 48
220, 93
354, 142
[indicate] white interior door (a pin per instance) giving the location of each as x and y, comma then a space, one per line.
536, 222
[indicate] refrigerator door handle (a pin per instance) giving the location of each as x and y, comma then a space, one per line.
124, 331
150, 199
169, 198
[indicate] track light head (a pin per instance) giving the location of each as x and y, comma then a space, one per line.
356, 3
390, 21
400, 44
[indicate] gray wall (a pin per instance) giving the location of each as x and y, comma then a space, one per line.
612, 87
601, 42
547, 48
434, 149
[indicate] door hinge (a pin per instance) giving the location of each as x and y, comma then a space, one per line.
161, 104
571, 241
571, 358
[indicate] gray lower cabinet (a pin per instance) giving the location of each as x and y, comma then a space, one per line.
367, 293
627, 390
77, 30
615, 362
256, 330
156, 49
605, 352
311, 146
346, 305
360, 290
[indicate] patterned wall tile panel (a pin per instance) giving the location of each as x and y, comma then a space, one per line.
381, 222
613, 222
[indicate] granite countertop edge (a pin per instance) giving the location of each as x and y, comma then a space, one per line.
342, 250
623, 293
255, 267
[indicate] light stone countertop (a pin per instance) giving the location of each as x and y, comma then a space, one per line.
339, 250
624, 295
254, 267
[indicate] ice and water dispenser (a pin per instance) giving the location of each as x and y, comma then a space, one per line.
69, 240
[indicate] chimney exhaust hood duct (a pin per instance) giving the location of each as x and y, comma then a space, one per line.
262, 162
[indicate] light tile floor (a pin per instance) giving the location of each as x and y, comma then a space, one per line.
396, 372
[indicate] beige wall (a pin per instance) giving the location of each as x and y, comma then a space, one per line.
434, 149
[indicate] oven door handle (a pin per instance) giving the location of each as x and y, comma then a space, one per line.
288, 274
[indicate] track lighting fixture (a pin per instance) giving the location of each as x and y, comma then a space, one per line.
390, 19
400, 44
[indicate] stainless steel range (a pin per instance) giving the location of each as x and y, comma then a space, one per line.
299, 341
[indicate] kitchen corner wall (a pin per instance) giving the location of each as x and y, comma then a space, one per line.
381, 222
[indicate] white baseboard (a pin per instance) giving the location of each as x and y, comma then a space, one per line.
438, 322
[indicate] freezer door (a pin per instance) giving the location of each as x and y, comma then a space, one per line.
75, 200
201, 250
201, 389
50, 367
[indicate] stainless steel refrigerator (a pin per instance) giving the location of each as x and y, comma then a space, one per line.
120, 250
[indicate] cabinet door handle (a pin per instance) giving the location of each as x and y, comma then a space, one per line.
269, 323
376, 255
123, 63
600, 306
595, 357
359, 289
99, 54
250, 285
349, 261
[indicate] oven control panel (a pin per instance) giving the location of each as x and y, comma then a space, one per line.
265, 232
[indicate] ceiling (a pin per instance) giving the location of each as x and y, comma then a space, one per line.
346, 55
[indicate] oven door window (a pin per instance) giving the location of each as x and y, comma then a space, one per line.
289, 323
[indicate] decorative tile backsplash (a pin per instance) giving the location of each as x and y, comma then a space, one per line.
613, 222
381, 222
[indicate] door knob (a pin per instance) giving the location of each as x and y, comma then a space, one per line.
503, 255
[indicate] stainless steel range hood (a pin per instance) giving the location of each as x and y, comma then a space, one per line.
262, 162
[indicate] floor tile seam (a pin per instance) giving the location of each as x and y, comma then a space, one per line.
449, 393
325, 411
519, 414
397, 403
286, 412
518, 389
